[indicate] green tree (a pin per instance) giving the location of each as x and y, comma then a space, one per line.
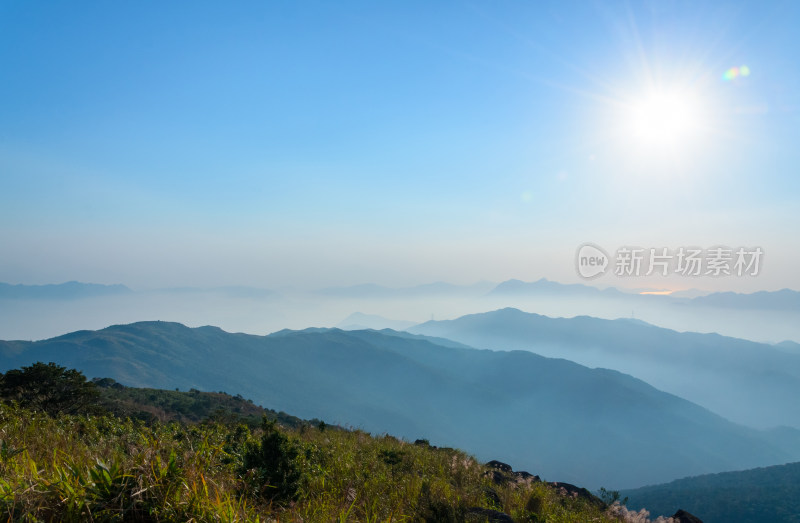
49, 388
610, 496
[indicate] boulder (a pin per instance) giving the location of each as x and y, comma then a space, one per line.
498, 478
682, 516
499, 465
527, 476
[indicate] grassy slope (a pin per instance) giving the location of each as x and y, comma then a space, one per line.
108, 469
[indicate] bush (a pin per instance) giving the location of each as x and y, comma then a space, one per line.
269, 467
49, 388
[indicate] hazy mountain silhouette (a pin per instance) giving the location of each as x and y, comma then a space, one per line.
359, 321
744, 381
553, 417
788, 346
233, 291
374, 291
61, 291
545, 287
73, 306
784, 299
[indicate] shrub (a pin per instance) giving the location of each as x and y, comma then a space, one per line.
49, 388
269, 467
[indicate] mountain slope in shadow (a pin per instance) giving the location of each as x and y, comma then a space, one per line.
744, 381
558, 419
762, 495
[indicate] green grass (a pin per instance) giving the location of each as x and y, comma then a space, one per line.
78, 468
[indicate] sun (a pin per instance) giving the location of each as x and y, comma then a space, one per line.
664, 120
660, 132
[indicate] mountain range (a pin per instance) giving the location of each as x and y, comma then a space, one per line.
784, 299
558, 419
744, 381
37, 312
62, 291
360, 321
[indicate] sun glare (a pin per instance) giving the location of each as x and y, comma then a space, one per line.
664, 120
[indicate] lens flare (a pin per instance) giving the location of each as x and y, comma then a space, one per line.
736, 72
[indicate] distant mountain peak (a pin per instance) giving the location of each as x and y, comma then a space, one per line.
682, 363
60, 291
548, 287
784, 299
360, 320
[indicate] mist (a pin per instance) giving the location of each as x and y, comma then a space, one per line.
262, 311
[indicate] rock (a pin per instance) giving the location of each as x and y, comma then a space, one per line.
527, 476
493, 516
498, 478
570, 490
682, 516
499, 465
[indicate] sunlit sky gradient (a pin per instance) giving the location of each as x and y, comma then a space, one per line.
334, 143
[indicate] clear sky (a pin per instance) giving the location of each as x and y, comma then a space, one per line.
334, 143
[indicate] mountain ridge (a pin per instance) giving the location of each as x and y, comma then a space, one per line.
740, 379
60, 291
559, 419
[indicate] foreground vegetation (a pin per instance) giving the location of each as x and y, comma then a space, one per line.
194, 406
60, 466
78, 468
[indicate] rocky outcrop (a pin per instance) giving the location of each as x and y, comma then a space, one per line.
502, 473
682, 516
570, 490
499, 465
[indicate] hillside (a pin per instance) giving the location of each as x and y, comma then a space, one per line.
106, 467
193, 406
599, 427
76, 468
741, 380
762, 495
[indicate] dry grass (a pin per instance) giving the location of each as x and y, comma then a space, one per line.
76, 468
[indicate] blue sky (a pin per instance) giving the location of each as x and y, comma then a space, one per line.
322, 143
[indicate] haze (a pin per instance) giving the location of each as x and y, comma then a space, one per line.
325, 145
